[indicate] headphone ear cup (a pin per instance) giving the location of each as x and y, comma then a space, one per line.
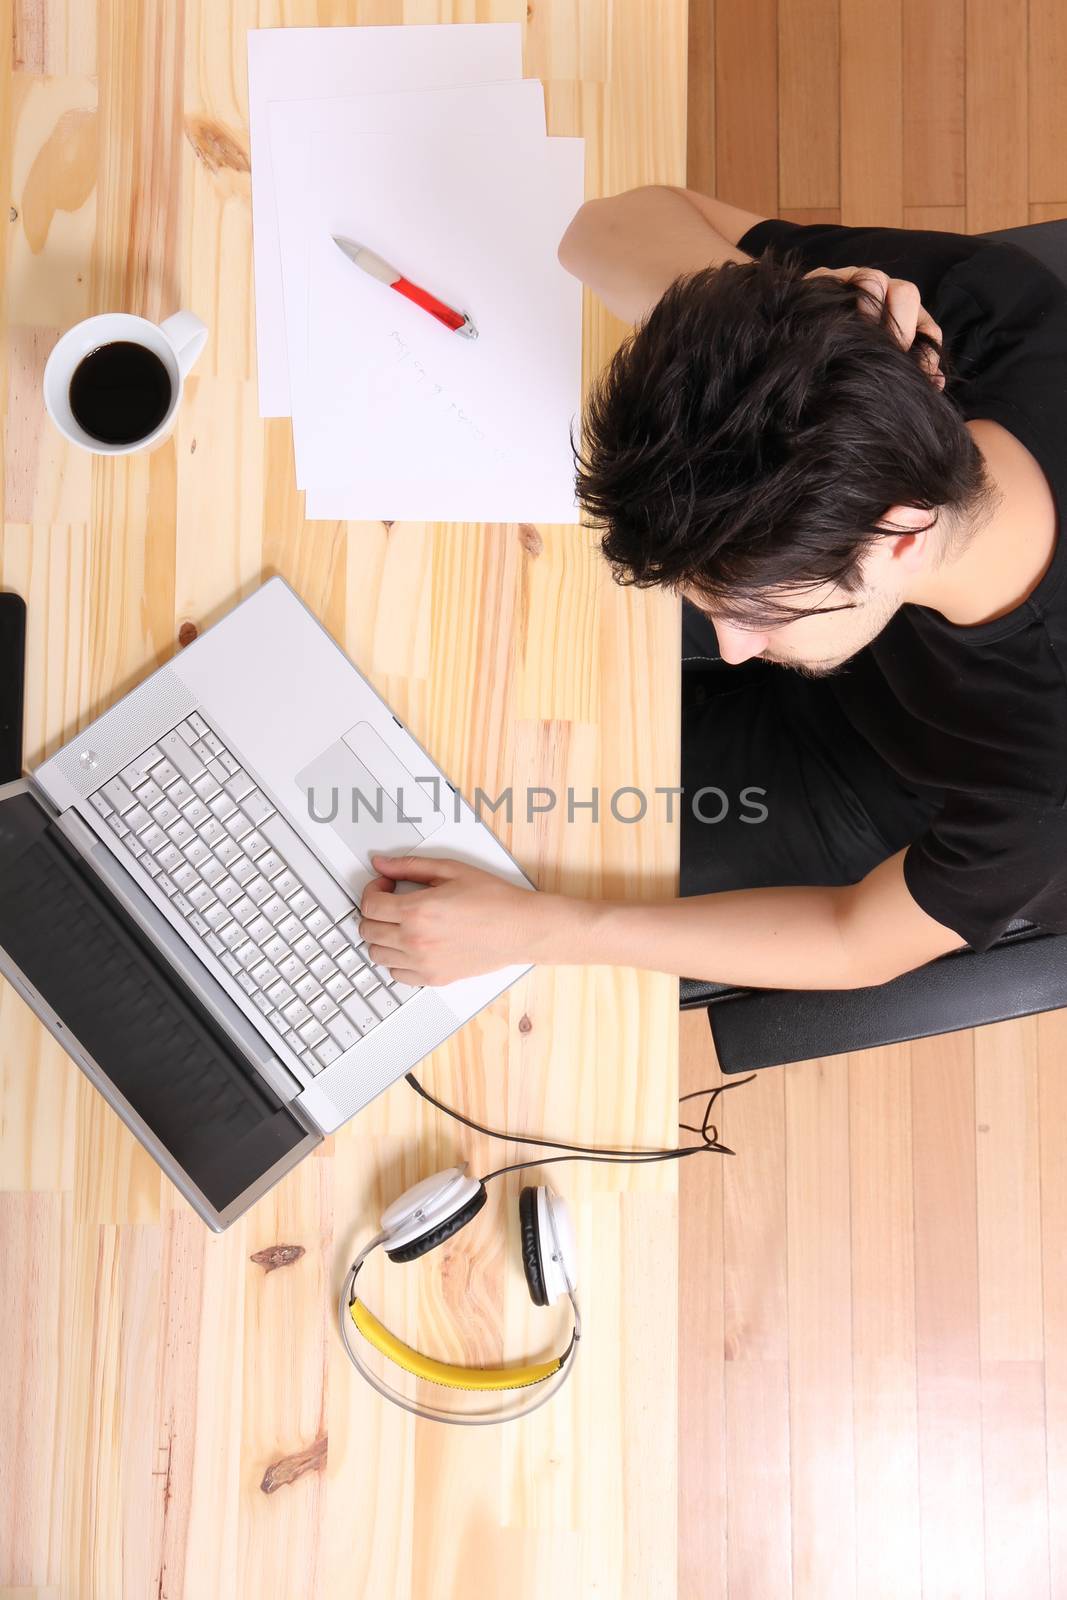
530, 1241
443, 1230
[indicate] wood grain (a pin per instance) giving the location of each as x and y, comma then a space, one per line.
997, 114
873, 1318
701, 173
947, 1340
1047, 72
872, 167
809, 110
746, 103
178, 1421
819, 1288
144, 1411
934, 145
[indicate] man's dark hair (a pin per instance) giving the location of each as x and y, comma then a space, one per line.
751, 434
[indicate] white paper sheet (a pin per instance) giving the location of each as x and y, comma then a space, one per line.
399, 417
300, 63
307, 134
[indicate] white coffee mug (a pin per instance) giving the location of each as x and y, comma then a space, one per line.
177, 342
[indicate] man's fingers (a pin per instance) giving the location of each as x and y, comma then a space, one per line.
907, 314
904, 305
932, 367
387, 885
875, 284
382, 956
415, 869
381, 904
376, 932
405, 975
932, 358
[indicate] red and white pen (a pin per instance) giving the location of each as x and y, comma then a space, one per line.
458, 321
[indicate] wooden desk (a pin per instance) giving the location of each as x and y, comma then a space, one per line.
157, 1376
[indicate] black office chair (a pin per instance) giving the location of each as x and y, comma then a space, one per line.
1023, 973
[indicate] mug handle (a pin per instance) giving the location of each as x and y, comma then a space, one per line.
188, 335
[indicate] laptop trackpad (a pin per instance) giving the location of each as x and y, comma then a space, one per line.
361, 809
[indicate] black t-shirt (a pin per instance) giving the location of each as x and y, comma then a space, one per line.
978, 714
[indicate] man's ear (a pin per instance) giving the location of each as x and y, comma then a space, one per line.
908, 530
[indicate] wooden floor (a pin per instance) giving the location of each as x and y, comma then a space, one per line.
176, 1422
873, 1310
873, 1389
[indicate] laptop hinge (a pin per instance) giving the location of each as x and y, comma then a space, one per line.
189, 972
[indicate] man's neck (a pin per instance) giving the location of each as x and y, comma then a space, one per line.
1012, 549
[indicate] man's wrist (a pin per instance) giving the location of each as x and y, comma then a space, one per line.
564, 930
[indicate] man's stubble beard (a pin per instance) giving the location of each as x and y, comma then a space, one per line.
877, 618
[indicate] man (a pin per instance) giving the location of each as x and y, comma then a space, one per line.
875, 617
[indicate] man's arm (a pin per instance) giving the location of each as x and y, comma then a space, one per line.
796, 938
631, 247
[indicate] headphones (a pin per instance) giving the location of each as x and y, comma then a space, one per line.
435, 1209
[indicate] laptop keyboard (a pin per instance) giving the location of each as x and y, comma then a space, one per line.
250, 891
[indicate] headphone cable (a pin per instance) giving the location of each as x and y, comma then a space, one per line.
592, 1152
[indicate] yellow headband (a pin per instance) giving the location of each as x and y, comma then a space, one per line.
443, 1372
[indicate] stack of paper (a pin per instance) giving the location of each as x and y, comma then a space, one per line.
426, 146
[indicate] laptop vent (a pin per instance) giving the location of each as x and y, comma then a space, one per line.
385, 1055
116, 738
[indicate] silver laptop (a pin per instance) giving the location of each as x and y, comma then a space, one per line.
179, 900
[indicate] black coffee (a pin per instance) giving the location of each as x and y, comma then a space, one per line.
120, 392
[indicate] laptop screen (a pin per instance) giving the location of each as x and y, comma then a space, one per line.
104, 979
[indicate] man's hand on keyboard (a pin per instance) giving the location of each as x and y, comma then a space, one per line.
462, 923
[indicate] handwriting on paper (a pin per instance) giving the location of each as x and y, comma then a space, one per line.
438, 394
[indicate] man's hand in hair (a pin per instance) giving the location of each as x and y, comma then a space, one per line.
901, 300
